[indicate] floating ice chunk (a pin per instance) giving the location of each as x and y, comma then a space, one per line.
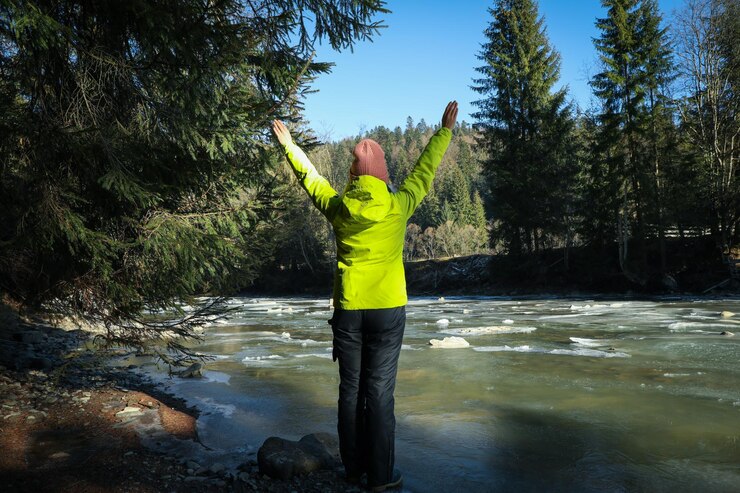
466, 311
261, 359
683, 326
495, 329
507, 321
285, 335
443, 321
591, 353
518, 349
449, 342
315, 355
589, 342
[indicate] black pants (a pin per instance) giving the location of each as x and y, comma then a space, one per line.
367, 344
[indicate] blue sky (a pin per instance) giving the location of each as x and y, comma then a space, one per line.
427, 56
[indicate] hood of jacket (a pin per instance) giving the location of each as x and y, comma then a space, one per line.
366, 199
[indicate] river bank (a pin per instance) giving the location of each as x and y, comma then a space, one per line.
694, 266
72, 422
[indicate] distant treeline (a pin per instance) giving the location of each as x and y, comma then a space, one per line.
653, 158
450, 221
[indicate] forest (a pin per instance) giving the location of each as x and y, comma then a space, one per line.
138, 169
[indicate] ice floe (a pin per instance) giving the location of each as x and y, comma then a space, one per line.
589, 342
593, 353
494, 329
449, 343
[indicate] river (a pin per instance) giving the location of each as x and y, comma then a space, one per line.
552, 394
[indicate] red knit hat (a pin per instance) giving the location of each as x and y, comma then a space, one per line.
369, 160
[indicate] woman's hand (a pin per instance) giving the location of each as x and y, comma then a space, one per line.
450, 115
281, 132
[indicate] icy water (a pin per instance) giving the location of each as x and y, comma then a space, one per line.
551, 395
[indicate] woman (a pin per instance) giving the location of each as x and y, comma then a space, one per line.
369, 222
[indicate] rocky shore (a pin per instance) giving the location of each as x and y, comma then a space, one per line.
71, 422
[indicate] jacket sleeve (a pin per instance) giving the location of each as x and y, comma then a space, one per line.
322, 194
417, 184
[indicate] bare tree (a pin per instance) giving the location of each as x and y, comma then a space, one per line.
709, 104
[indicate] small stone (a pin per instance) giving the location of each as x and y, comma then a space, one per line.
192, 465
727, 314
217, 467
726, 333
130, 452
59, 455
31, 418
243, 476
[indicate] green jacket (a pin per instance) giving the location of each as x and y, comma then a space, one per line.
369, 224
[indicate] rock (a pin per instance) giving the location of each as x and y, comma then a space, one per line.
191, 371
669, 283
726, 333
726, 314
8, 318
59, 455
191, 464
29, 337
282, 459
217, 467
449, 343
325, 446
128, 412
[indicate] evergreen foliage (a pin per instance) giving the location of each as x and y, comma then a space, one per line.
636, 67
525, 128
136, 165
455, 203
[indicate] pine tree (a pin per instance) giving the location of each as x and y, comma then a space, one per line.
524, 125
136, 164
635, 68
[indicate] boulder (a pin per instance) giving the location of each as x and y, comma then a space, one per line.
191, 371
669, 282
29, 337
279, 458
